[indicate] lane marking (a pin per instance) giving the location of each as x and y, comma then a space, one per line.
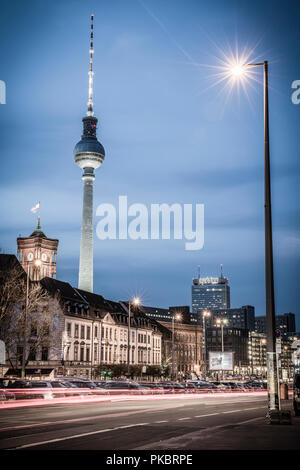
210, 414
256, 408
76, 436
85, 418
253, 419
182, 419
231, 411
157, 422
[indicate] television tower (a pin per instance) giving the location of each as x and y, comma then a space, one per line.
89, 154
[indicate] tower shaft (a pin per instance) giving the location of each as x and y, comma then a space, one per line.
85, 278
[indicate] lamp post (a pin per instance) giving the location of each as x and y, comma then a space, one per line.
273, 401
37, 263
205, 315
176, 316
135, 301
220, 322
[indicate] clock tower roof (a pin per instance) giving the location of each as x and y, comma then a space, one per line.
38, 232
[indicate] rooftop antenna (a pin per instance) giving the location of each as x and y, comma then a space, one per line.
90, 111
221, 266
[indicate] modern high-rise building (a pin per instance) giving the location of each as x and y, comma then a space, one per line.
210, 293
88, 155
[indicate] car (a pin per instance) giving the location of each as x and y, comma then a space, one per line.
16, 383
83, 383
296, 396
121, 387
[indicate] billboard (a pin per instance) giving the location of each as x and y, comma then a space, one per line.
220, 361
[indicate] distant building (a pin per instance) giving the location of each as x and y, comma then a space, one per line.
187, 349
235, 340
286, 323
257, 353
166, 315
210, 293
243, 317
37, 254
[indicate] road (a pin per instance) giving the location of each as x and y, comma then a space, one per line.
213, 422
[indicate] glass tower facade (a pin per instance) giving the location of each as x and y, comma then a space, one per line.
210, 293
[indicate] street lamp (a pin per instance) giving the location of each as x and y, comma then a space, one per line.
205, 315
37, 263
176, 316
237, 71
220, 322
135, 301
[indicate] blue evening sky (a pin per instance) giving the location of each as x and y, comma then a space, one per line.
169, 135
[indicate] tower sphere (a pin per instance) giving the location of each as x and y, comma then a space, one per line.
88, 152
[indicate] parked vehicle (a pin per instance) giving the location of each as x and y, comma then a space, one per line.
122, 387
296, 397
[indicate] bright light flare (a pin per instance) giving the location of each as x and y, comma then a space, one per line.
231, 72
238, 70
136, 301
206, 313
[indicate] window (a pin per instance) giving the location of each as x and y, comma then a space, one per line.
82, 353
75, 352
95, 353
69, 329
96, 331
33, 331
44, 354
31, 355
76, 333
88, 354
88, 332
82, 332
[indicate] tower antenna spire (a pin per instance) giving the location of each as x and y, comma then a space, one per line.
198, 271
90, 111
221, 266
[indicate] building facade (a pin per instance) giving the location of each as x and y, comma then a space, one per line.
210, 293
188, 360
234, 339
257, 353
285, 323
243, 317
85, 332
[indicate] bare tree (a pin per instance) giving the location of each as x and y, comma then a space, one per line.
12, 285
42, 322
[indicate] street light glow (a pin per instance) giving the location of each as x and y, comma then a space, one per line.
238, 70
136, 301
